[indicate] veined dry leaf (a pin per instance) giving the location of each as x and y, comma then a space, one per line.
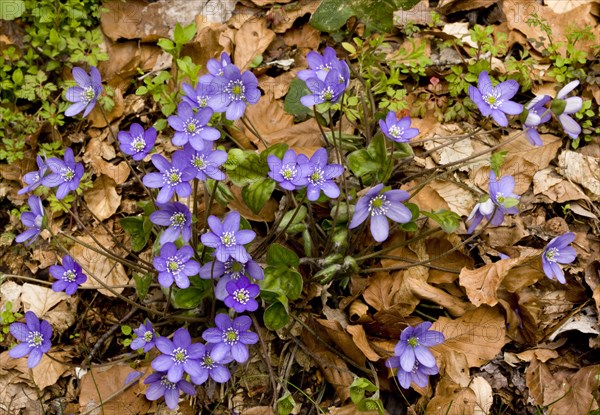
284, 17
453, 6
549, 184
581, 169
251, 40
483, 395
543, 388
360, 340
40, 299
97, 266
335, 332
334, 368
453, 152
103, 199
459, 199
48, 371
455, 366
541, 354
479, 334
564, 6
277, 87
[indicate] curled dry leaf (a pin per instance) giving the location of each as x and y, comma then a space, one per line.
360, 340
581, 169
251, 40
549, 184
40, 299
102, 199
479, 334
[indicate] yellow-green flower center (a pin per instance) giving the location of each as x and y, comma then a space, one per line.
413, 342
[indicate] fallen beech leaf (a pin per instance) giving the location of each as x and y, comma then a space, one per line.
40, 299
459, 199
96, 265
482, 283
543, 388
48, 371
581, 169
543, 355
251, 40
479, 334
103, 199
360, 340
563, 6
483, 395
333, 330
549, 184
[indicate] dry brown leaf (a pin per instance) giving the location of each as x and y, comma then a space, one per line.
479, 334
543, 355
102, 199
104, 382
456, 367
333, 330
266, 214
97, 266
482, 283
258, 410
453, 152
453, 6
334, 369
251, 40
581, 169
277, 87
284, 17
564, 6
48, 371
305, 36
543, 388
454, 261
360, 340
451, 399
40, 299
459, 199
549, 184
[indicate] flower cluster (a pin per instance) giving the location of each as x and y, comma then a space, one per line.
412, 358
327, 78
501, 200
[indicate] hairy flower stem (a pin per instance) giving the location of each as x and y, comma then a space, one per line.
250, 126
323, 135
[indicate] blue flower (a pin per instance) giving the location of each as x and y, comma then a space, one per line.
329, 89
137, 143
495, 100
563, 108
69, 275
175, 265
35, 337
231, 270
557, 252
286, 171
216, 67
319, 175
192, 128
321, 65
206, 162
34, 220
66, 174
242, 295
198, 97
178, 219
227, 238
380, 206
159, 385
178, 356
85, 94
211, 367
397, 130
231, 338
34, 178
146, 337
233, 91
172, 177
537, 114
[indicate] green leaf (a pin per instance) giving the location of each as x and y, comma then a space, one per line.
276, 315
278, 150
361, 163
296, 222
10, 10
247, 170
371, 404
182, 35
166, 44
188, 298
448, 220
256, 194
279, 255
282, 280
331, 15
285, 404
17, 76
142, 284
510, 202
126, 330
497, 160
139, 233
292, 104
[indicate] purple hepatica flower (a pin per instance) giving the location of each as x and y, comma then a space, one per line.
537, 114
242, 295
502, 198
159, 385
320, 66
216, 66
230, 270
413, 346
66, 174
380, 207
419, 373
230, 337
70, 276
177, 217
565, 107
146, 337
35, 337
34, 178
137, 143
233, 91
172, 177
286, 171
206, 162
85, 94
175, 265
192, 128
495, 100
558, 252
397, 130
198, 97
34, 220
326, 90
319, 175
227, 238
211, 367
179, 356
